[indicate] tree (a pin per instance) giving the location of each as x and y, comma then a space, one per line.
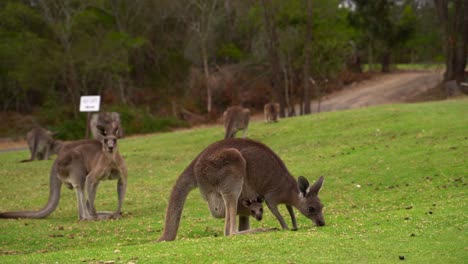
453, 15
202, 24
269, 12
384, 24
307, 56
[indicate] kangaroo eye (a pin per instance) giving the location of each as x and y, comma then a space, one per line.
311, 210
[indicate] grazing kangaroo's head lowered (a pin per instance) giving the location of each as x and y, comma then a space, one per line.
230, 174
236, 118
309, 202
82, 165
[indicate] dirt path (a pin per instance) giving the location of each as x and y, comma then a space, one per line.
398, 87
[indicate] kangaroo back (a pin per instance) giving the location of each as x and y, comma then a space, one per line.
54, 196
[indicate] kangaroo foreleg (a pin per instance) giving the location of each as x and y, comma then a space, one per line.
121, 190
276, 213
293, 217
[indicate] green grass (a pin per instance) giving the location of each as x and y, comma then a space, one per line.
395, 185
407, 66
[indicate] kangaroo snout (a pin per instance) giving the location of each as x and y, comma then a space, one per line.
110, 144
320, 223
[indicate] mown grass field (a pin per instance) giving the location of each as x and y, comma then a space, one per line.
395, 187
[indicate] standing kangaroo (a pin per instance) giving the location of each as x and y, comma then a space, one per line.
271, 111
81, 165
236, 118
41, 144
251, 164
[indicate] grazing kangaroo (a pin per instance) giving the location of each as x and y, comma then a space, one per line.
41, 144
271, 111
81, 165
236, 118
242, 163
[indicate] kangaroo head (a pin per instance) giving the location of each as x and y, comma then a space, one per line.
108, 126
255, 207
309, 202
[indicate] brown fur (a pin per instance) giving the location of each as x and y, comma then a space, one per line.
105, 117
81, 165
244, 167
271, 111
41, 144
236, 118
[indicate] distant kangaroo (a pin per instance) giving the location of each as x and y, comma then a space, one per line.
236, 118
264, 172
81, 165
271, 111
41, 144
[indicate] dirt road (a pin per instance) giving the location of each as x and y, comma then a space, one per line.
396, 87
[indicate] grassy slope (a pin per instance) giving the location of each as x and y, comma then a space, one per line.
395, 185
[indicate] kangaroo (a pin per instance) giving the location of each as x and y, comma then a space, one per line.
245, 163
41, 144
81, 165
106, 117
271, 111
236, 118
252, 208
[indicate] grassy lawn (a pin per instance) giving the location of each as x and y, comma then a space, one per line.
408, 66
395, 186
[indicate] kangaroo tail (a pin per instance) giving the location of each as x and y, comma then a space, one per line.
184, 184
54, 196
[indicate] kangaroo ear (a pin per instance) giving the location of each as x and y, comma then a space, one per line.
246, 202
260, 199
302, 184
317, 185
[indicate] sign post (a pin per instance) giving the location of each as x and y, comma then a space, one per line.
88, 104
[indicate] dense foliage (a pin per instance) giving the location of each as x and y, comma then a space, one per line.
197, 55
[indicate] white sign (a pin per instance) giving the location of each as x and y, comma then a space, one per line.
90, 103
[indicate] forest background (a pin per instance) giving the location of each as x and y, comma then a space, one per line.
164, 64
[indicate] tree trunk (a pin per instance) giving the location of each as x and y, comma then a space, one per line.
275, 68
386, 61
455, 37
207, 77
307, 56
